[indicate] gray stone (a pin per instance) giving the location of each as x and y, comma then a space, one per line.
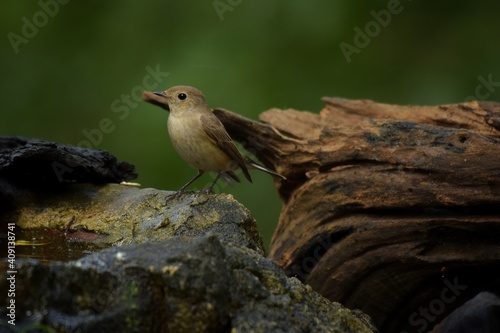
182, 284
114, 215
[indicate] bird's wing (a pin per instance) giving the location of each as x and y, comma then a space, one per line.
216, 131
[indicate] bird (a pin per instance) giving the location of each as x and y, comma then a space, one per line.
200, 138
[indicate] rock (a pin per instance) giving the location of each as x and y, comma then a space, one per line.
481, 314
182, 284
112, 214
38, 163
90, 208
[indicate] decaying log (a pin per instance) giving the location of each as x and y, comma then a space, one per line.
386, 208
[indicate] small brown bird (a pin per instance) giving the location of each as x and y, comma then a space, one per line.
200, 137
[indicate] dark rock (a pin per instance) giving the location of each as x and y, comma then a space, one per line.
179, 285
481, 314
38, 163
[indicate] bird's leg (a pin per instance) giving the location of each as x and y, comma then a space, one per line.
200, 173
210, 189
181, 190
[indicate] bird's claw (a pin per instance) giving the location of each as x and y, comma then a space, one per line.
173, 196
207, 190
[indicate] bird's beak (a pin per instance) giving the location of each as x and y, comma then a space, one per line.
157, 98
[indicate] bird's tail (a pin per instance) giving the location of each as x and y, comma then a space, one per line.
257, 166
227, 175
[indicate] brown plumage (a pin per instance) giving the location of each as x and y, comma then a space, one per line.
200, 137
217, 132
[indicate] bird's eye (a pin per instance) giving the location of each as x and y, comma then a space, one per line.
182, 96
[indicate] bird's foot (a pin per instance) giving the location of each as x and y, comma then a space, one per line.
174, 195
208, 190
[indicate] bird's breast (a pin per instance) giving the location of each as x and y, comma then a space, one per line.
194, 146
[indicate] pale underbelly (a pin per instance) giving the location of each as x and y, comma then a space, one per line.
204, 156
195, 147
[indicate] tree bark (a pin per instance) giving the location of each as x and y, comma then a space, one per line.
385, 206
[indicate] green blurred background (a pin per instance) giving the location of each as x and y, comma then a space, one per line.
83, 58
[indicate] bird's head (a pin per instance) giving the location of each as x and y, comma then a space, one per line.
177, 99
